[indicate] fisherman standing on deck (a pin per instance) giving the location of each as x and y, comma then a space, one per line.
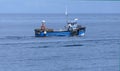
71, 26
74, 26
43, 27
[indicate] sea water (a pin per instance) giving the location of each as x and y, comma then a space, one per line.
98, 50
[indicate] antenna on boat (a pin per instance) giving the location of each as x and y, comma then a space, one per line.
66, 13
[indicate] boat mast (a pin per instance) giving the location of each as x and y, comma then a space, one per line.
66, 13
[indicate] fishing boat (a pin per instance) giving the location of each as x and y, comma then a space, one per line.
72, 29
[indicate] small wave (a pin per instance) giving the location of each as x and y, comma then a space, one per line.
40, 47
15, 37
74, 45
18, 37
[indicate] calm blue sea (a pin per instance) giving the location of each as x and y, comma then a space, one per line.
98, 50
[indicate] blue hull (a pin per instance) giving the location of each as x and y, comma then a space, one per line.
60, 33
